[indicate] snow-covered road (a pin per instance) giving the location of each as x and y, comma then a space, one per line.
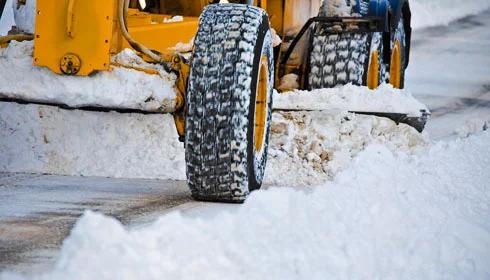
449, 72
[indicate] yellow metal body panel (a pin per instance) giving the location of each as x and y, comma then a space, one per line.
135, 18
275, 10
87, 35
89, 30
162, 36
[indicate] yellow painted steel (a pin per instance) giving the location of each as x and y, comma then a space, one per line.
179, 115
163, 36
275, 10
396, 65
70, 17
83, 28
261, 104
373, 71
89, 30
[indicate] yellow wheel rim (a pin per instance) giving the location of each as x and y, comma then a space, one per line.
396, 66
373, 71
261, 104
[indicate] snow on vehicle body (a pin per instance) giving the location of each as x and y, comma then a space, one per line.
222, 98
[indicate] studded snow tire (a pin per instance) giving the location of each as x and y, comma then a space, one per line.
340, 59
337, 59
221, 159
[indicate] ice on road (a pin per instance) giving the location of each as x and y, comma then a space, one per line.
389, 215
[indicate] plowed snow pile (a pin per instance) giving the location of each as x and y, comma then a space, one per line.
352, 98
388, 216
306, 147
119, 88
46, 139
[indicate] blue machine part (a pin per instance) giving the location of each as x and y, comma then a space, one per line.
379, 8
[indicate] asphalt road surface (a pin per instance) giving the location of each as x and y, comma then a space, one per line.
38, 211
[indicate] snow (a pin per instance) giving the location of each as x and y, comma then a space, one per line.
7, 20
173, 19
120, 88
426, 13
46, 139
382, 200
309, 148
351, 98
390, 215
184, 47
276, 39
25, 15
289, 82
41, 139
449, 72
473, 126
316, 145
337, 8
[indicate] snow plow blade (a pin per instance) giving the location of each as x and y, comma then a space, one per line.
386, 102
416, 122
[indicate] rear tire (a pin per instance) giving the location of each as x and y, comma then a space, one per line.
229, 106
340, 59
337, 59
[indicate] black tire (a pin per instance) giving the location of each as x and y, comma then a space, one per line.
221, 159
337, 59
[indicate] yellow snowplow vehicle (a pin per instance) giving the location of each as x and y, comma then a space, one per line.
225, 80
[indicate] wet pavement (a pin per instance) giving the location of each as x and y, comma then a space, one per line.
38, 211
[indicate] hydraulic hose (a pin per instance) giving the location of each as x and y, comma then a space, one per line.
16, 37
122, 13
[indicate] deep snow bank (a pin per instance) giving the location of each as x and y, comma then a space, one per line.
119, 88
45, 139
306, 147
426, 13
389, 216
